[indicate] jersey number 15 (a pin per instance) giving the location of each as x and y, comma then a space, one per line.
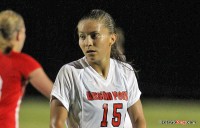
116, 120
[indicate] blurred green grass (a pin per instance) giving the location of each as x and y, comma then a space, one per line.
171, 110
34, 112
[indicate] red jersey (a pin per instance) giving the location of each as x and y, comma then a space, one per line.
14, 71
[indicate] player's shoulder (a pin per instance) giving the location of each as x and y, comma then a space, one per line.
75, 65
126, 67
3, 57
22, 56
78, 64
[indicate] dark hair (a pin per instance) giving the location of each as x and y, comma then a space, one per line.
102, 16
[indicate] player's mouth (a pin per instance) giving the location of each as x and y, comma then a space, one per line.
90, 51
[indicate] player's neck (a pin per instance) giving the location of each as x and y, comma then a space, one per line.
102, 68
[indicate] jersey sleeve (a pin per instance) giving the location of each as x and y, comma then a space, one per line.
29, 64
62, 86
133, 89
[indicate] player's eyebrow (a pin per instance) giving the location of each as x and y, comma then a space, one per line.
93, 32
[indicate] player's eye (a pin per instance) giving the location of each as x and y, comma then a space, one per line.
82, 36
94, 35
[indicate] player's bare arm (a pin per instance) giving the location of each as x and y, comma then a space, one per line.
137, 115
41, 81
58, 115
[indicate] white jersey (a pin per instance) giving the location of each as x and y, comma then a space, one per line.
91, 100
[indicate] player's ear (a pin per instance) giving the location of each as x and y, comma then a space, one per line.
18, 35
113, 39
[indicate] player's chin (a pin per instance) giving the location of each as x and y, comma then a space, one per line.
91, 59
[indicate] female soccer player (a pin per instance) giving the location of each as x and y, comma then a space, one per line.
97, 90
16, 69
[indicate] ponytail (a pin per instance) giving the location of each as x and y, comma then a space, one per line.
117, 50
5, 46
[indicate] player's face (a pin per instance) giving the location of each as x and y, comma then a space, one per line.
95, 40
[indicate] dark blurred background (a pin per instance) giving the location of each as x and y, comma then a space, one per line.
161, 38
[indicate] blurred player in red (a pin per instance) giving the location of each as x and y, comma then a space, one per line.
16, 69
97, 90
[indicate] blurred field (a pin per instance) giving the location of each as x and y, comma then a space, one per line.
34, 113
171, 110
